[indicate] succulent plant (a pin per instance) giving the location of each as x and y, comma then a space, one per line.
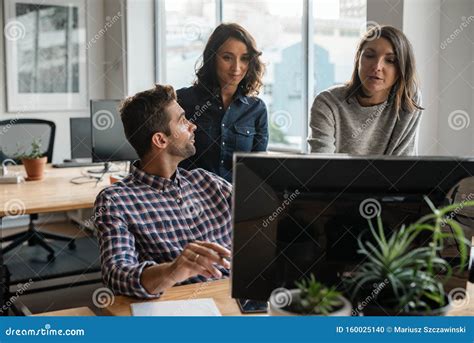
316, 298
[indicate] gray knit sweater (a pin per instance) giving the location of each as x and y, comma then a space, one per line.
344, 126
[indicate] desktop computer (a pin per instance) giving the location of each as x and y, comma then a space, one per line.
109, 143
81, 140
299, 214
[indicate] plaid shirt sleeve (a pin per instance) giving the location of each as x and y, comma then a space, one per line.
224, 186
121, 269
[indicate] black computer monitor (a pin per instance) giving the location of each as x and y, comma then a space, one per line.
109, 143
300, 214
81, 140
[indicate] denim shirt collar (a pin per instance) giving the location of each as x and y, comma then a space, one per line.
155, 181
216, 93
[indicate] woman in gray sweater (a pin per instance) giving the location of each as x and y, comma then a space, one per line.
378, 111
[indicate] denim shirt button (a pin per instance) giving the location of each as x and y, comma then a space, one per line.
223, 143
223, 125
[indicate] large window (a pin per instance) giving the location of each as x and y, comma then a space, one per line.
331, 37
338, 26
188, 26
277, 27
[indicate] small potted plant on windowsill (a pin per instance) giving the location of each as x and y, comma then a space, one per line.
34, 161
309, 298
399, 278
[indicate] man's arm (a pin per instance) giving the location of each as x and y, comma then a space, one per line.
121, 268
198, 258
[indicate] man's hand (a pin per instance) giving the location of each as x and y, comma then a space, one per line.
198, 258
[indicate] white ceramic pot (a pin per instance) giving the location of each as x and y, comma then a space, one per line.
282, 298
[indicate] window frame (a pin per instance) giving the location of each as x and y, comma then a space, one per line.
307, 60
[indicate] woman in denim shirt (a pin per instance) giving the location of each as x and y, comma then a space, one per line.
223, 103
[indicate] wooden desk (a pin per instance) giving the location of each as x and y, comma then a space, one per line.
71, 312
220, 292
54, 193
217, 290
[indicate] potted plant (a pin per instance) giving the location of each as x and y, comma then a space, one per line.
34, 161
400, 278
309, 298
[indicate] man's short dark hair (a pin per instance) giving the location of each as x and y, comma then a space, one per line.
143, 115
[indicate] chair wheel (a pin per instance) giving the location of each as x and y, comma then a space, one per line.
72, 245
51, 257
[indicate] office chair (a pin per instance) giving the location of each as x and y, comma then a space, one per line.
25, 130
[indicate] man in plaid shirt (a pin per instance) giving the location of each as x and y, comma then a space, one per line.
162, 225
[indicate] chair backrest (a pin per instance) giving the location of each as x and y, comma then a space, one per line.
18, 134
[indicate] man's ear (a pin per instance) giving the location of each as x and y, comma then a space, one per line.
159, 140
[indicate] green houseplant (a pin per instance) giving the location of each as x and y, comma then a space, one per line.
34, 161
309, 298
399, 278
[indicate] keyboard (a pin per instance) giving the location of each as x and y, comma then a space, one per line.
77, 164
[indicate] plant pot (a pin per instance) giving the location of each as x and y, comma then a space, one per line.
34, 168
377, 310
293, 297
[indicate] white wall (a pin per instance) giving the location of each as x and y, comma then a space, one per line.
386, 12
105, 79
456, 80
421, 24
140, 64
446, 72
115, 51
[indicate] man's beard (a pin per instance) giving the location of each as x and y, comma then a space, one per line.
184, 152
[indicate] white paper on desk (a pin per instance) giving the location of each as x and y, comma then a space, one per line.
192, 307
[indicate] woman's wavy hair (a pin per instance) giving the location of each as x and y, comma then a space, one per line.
404, 91
206, 74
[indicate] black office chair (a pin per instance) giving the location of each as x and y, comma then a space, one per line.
25, 130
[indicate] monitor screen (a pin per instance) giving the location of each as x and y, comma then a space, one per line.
108, 138
81, 141
301, 214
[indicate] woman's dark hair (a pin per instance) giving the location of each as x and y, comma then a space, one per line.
404, 91
206, 73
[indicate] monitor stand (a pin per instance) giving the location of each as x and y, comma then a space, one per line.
107, 169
